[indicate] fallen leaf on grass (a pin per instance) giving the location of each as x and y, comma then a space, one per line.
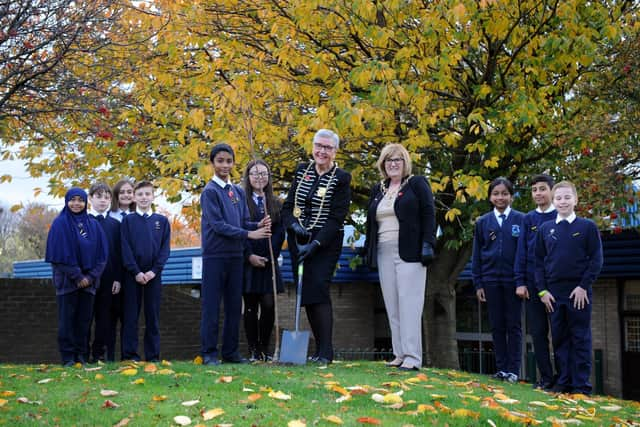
212, 413
165, 372
438, 396
327, 375
611, 408
391, 398
253, 397
333, 419
123, 422
559, 421
138, 381
543, 405
110, 404
46, 380
95, 368
469, 396
3, 402
150, 368
198, 360
425, 408
129, 372
225, 379
357, 390
296, 423
369, 420
26, 400
159, 398
99, 377
442, 408
182, 420
466, 413
108, 393
279, 395
165, 363
343, 398
7, 393
190, 402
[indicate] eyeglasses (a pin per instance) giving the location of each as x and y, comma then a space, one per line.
394, 160
322, 147
259, 174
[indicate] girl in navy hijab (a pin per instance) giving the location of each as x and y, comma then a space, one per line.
77, 250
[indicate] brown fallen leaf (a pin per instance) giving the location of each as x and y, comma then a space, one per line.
150, 368
160, 398
253, 397
7, 393
225, 379
123, 422
3, 402
369, 420
110, 404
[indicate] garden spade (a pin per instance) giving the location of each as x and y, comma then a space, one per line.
295, 344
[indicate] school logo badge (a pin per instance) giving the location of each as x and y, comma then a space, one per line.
515, 230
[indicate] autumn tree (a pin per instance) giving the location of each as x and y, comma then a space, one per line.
474, 89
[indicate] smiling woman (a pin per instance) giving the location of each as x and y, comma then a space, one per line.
400, 240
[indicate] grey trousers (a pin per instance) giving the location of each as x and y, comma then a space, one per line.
403, 286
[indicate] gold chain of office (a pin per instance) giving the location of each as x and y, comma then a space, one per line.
384, 188
297, 211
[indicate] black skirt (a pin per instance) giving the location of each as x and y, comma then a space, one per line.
318, 270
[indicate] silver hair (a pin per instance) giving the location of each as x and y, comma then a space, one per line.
329, 134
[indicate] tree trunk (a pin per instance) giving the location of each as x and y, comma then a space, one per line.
439, 316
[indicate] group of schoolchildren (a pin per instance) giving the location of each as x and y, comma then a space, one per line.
106, 261
548, 258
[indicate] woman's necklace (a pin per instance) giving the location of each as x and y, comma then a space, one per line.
390, 194
322, 192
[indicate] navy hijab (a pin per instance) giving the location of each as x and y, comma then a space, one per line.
75, 239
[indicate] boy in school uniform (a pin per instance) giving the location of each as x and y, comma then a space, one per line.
107, 303
145, 239
524, 270
568, 261
226, 226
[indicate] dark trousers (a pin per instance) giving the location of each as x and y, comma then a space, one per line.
74, 321
571, 334
106, 311
258, 328
538, 323
135, 296
321, 321
505, 310
221, 281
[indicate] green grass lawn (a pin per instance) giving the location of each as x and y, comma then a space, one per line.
347, 393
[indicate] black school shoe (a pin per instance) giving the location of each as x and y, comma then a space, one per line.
237, 359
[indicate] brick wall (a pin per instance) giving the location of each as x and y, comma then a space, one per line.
605, 330
28, 318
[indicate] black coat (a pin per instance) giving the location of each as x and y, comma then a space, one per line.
415, 211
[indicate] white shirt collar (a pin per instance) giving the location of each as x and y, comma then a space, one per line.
505, 213
141, 213
96, 213
569, 219
220, 182
551, 208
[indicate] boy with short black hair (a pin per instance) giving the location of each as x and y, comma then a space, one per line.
568, 261
107, 305
145, 249
524, 269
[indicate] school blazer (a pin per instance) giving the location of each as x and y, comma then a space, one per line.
415, 211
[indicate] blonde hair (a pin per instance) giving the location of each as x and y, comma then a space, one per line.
387, 152
565, 184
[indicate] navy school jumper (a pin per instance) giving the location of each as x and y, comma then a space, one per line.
225, 225
525, 268
494, 249
569, 255
108, 307
145, 247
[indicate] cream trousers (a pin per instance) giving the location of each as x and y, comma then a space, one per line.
403, 286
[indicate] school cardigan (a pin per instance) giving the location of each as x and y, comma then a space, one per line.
225, 221
568, 255
145, 243
525, 266
494, 248
331, 187
415, 211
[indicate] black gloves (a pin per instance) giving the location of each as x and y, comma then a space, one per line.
427, 254
302, 235
306, 251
